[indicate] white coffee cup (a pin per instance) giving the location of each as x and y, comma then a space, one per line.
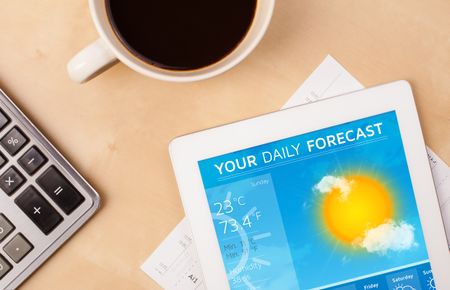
104, 52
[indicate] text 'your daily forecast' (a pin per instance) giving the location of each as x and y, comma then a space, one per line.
301, 147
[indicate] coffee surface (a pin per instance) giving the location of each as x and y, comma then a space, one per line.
181, 34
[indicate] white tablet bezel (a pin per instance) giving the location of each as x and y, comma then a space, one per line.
187, 150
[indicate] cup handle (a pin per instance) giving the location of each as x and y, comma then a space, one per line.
91, 61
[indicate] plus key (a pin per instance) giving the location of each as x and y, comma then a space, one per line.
39, 210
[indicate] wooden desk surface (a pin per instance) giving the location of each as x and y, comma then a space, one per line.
116, 128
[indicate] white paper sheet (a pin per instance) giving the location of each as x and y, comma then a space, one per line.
441, 176
327, 80
174, 264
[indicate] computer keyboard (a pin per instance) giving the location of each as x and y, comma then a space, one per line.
43, 200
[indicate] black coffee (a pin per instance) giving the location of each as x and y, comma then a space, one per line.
181, 34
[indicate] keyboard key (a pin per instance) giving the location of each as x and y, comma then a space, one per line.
38, 210
4, 120
6, 227
60, 190
18, 248
11, 180
14, 140
32, 160
5, 267
3, 160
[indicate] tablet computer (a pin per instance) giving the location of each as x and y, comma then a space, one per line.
336, 194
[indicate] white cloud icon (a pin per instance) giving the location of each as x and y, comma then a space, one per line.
390, 236
327, 183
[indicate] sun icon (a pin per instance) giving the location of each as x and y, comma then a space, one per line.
404, 287
430, 283
355, 204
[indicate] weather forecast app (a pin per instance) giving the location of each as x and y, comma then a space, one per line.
329, 209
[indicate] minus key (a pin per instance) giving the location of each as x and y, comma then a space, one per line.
32, 160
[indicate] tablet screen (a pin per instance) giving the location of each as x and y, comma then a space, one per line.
329, 209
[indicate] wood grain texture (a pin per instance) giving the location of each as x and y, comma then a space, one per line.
116, 128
